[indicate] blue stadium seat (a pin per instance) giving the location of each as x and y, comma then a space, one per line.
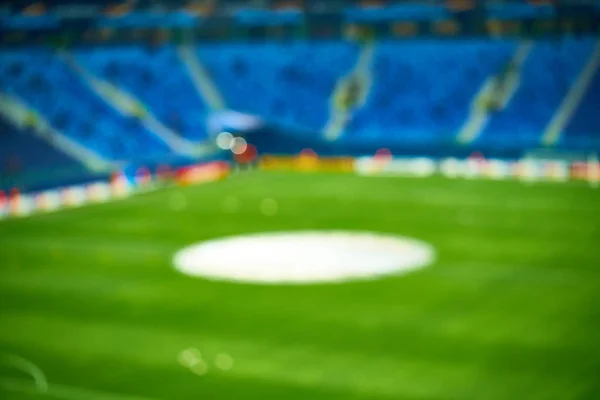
50, 87
422, 89
583, 130
28, 152
157, 78
287, 82
547, 74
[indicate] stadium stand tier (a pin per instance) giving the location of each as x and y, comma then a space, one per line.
547, 74
418, 91
583, 130
287, 82
157, 77
29, 161
22, 149
42, 79
422, 90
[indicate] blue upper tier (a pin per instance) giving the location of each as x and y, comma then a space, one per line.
287, 82
419, 91
46, 84
23, 150
424, 89
583, 129
548, 73
156, 77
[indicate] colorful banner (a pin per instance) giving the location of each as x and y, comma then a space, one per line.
395, 166
529, 170
307, 162
478, 167
16, 204
202, 173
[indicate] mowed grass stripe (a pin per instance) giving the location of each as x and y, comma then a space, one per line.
63, 392
297, 364
510, 301
458, 336
451, 313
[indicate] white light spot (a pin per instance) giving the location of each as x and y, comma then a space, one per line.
224, 362
177, 201
268, 207
189, 357
239, 145
200, 368
303, 257
231, 204
225, 140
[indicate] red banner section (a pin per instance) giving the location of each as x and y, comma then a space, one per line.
202, 173
15, 204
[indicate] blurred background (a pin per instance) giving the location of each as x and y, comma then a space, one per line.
99, 85
470, 125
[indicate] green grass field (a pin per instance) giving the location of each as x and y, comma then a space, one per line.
510, 309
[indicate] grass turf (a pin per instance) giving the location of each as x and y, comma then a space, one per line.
511, 308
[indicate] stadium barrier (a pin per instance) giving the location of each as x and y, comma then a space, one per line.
471, 168
480, 168
16, 204
307, 162
119, 186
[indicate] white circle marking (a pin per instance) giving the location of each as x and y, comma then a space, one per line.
303, 257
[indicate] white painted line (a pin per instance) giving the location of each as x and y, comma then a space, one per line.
64, 392
563, 115
23, 364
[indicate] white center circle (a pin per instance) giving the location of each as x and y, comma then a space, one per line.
303, 257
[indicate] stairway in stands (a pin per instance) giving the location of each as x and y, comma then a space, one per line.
547, 75
288, 83
20, 117
153, 87
47, 84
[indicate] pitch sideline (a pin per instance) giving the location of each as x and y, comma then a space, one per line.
64, 392
41, 387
